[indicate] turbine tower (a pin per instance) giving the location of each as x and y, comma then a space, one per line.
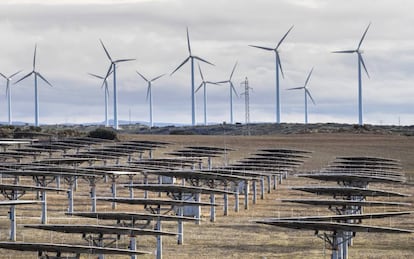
360, 61
112, 68
232, 89
204, 85
105, 83
191, 57
36, 74
149, 94
278, 67
8, 94
307, 93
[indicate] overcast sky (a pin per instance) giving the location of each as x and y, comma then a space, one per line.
154, 32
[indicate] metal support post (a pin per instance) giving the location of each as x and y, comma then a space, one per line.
246, 195
44, 208
213, 207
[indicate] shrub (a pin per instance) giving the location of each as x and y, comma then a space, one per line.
103, 133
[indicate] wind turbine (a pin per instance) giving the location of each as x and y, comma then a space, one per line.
360, 61
36, 74
278, 67
204, 84
8, 93
232, 89
191, 58
105, 83
112, 68
149, 93
307, 93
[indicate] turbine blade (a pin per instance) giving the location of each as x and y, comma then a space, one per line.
212, 83
5, 77
124, 60
201, 74
7, 90
203, 60
100, 77
295, 88
34, 57
363, 64
283, 38
15, 73
232, 72
143, 77
26, 76
280, 64
234, 89
363, 36
44, 79
198, 88
310, 96
107, 74
259, 47
157, 77
148, 90
188, 42
307, 79
344, 51
106, 51
223, 82
185, 61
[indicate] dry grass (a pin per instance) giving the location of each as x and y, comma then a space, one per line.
235, 236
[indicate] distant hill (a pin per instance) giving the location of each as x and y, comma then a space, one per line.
256, 129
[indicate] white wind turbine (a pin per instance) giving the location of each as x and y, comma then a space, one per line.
106, 93
191, 58
8, 94
232, 89
278, 66
112, 68
36, 74
307, 93
149, 93
360, 61
204, 85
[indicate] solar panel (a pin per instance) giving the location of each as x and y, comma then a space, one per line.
67, 248
354, 191
200, 175
285, 150
174, 188
98, 229
346, 217
18, 202
210, 148
4, 187
337, 202
337, 177
332, 226
130, 216
156, 202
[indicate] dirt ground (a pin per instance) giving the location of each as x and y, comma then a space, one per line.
236, 235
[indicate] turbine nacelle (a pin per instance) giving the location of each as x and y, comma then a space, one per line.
304, 87
149, 82
276, 50
113, 62
33, 71
229, 81
203, 82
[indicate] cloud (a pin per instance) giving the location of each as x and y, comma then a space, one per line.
153, 32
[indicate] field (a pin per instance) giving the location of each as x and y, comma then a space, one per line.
235, 235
